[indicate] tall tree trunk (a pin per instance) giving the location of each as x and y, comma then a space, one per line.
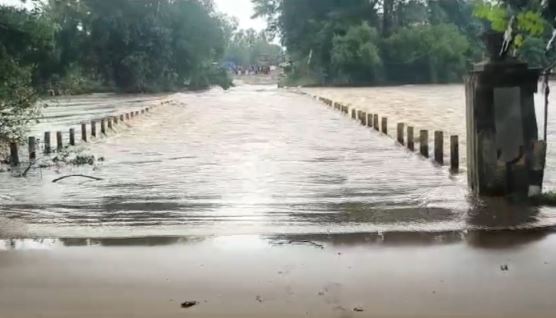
388, 17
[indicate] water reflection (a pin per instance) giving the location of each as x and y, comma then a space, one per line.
499, 213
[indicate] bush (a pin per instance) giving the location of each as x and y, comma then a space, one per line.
426, 54
356, 55
18, 101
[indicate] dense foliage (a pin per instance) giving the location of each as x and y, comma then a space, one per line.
353, 42
24, 37
76, 46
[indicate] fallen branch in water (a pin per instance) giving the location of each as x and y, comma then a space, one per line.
76, 175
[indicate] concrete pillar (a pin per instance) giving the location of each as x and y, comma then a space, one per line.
400, 133
59, 141
32, 144
424, 143
385, 125
439, 147
454, 153
369, 120
364, 118
504, 154
47, 147
93, 129
84, 132
14, 154
375, 122
410, 138
103, 126
72, 137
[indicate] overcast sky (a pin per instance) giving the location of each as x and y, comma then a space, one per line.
241, 9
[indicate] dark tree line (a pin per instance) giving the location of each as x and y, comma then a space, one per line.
127, 45
361, 42
78, 46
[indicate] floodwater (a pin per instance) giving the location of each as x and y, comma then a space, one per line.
434, 107
259, 202
252, 160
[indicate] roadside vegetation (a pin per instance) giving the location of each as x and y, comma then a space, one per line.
362, 42
59, 47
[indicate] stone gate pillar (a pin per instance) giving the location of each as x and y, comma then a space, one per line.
504, 155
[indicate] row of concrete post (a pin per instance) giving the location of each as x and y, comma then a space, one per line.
372, 121
105, 124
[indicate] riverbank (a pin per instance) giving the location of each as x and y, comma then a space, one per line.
399, 275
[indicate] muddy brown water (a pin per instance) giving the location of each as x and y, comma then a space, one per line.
252, 160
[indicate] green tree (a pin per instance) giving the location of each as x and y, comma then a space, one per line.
24, 36
426, 54
356, 55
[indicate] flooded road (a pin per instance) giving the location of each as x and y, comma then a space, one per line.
253, 160
435, 107
258, 202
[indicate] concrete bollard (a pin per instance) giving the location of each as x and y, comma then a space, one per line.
142, 111
93, 128
369, 120
59, 141
410, 138
72, 137
115, 120
14, 154
84, 132
439, 147
364, 118
122, 117
47, 147
385, 125
147, 109
353, 114
137, 113
400, 133
109, 123
32, 144
375, 122
454, 153
424, 143
103, 127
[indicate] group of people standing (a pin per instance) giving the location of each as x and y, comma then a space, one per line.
251, 70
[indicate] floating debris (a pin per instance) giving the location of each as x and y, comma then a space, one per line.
358, 309
189, 304
504, 268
